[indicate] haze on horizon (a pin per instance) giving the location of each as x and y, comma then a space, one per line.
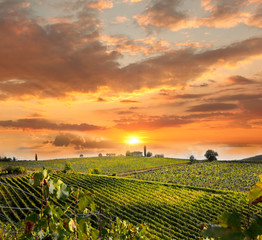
83, 76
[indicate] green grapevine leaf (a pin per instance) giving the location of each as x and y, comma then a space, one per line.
51, 186
230, 220
71, 225
62, 191
255, 228
256, 191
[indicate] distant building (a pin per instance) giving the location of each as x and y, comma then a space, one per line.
137, 154
110, 154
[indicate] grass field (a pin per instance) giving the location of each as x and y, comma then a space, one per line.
107, 165
171, 211
235, 176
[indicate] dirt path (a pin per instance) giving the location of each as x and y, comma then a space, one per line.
149, 169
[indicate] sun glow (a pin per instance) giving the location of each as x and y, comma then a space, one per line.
133, 140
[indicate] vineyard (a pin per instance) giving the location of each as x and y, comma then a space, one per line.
235, 176
171, 211
107, 165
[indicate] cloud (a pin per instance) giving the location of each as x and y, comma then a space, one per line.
78, 142
143, 122
179, 67
162, 14
256, 18
121, 19
34, 123
56, 59
190, 96
238, 97
124, 112
101, 4
237, 79
217, 13
252, 107
100, 99
133, 1
128, 101
224, 13
147, 46
212, 107
46, 59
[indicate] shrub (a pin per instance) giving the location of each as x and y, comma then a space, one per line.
96, 171
68, 167
19, 170
15, 170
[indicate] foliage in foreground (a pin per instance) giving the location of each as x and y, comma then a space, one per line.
170, 211
71, 221
229, 225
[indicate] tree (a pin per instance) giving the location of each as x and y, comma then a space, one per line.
211, 155
100, 155
192, 159
128, 153
149, 154
36, 158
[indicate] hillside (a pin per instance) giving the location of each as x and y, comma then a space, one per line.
255, 158
107, 165
171, 211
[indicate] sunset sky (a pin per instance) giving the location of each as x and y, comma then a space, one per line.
85, 76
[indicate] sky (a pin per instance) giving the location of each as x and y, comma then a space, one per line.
86, 76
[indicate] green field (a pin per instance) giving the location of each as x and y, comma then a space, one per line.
174, 200
171, 211
107, 165
235, 176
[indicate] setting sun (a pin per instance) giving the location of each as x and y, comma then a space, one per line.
133, 140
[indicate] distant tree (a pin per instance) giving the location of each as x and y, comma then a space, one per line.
149, 154
128, 153
211, 155
145, 151
192, 159
36, 158
14, 159
100, 155
81, 155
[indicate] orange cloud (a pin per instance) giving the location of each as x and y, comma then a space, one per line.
163, 14
224, 14
133, 1
220, 14
145, 46
59, 59
101, 4
256, 18
121, 19
38, 123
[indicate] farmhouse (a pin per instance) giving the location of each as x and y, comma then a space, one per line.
137, 154
110, 154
